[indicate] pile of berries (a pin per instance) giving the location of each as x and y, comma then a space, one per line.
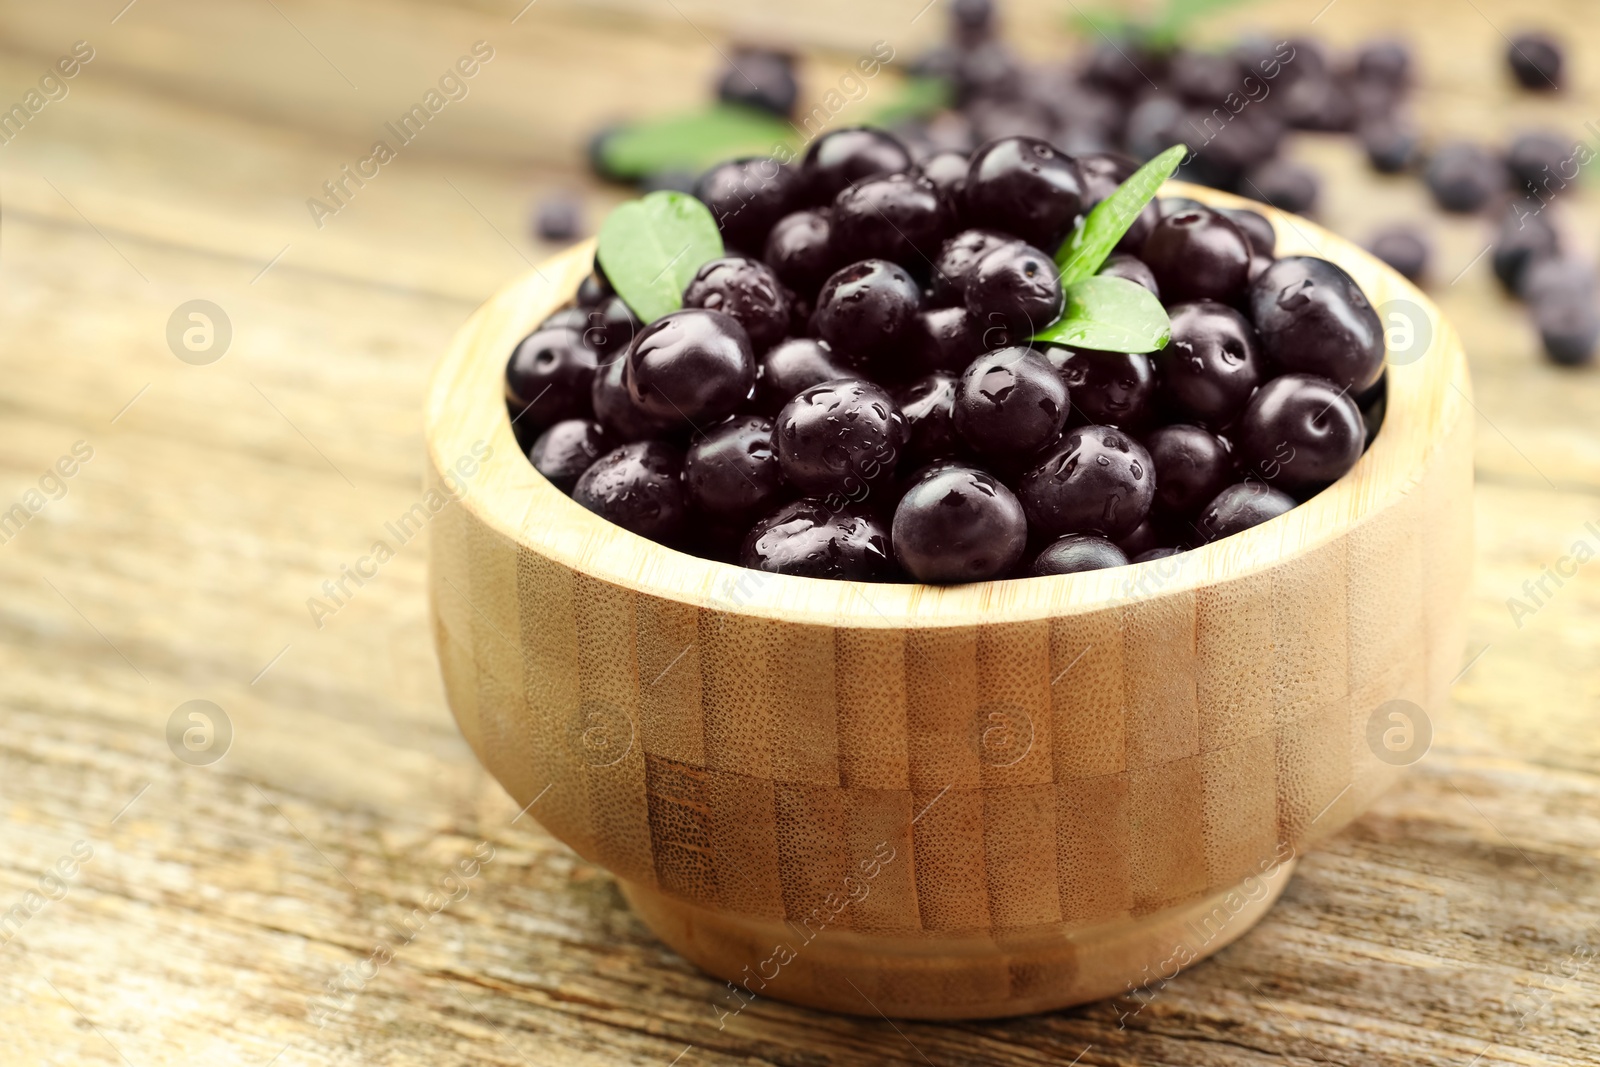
852, 390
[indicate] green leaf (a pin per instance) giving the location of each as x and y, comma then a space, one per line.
1086, 248
650, 249
692, 142
1110, 314
918, 98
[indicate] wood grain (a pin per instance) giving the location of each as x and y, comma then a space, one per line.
1451, 922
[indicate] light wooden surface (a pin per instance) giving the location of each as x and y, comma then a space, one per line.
1457, 919
1065, 775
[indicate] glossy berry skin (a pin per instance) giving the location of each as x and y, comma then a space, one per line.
868, 308
610, 328
1300, 433
947, 173
1027, 188
957, 259
839, 437
733, 470
1098, 480
1536, 61
1107, 388
1463, 177
594, 289
1239, 507
1016, 287
1198, 255
1130, 269
800, 250
895, 217
958, 524
548, 378
1256, 228
748, 290
1010, 403
1212, 363
844, 157
1075, 553
948, 339
746, 196
812, 539
928, 407
1192, 466
795, 365
638, 487
564, 451
1314, 319
695, 364
615, 410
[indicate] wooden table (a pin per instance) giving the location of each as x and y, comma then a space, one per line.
218, 913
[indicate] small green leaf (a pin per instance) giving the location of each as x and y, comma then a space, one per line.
918, 98
650, 249
1086, 248
692, 142
1110, 314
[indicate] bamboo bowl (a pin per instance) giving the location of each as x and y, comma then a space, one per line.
957, 802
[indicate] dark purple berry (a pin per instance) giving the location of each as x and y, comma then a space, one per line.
868, 308
1239, 507
638, 487
1536, 61
795, 365
812, 539
1016, 287
1192, 466
760, 78
1569, 329
1314, 319
947, 172
694, 363
1198, 255
895, 217
733, 470
928, 407
800, 250
845, 157
1075, 553
1286, 185
548, 378
840, 437
746, 196
958, 524
1524, 238
1107, 388
564, 451
746, 289
1257, 229
558, 218
572, 318
1464, 177
957, 259
593, 289
1027, 188
1103, 173
1098, 480
1300, 433
1390, 142
610, 328
1385, 62
1543, 162
1010, 403
615, 410
1212, 363
948, 339
1404, 248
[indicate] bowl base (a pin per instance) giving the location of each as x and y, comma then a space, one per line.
935, 977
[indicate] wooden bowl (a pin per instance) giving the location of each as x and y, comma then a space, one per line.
947, 802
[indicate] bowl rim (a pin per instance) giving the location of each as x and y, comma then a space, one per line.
465, 415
